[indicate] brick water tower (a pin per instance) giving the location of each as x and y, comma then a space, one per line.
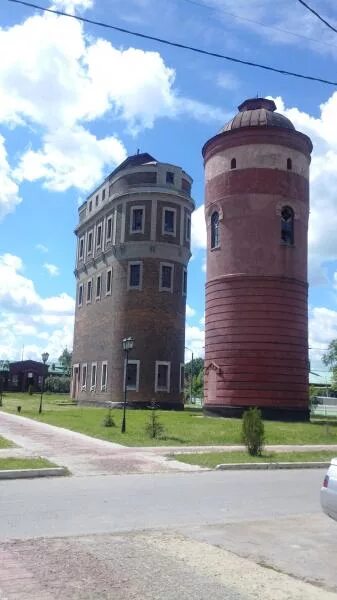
256, 209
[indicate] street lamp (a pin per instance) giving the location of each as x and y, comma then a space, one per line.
44, 357
4, 368
127, 344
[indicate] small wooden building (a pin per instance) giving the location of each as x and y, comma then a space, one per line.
25, 373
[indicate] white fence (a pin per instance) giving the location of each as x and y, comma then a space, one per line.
323, 410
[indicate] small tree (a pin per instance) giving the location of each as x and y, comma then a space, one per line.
329, 359
253, 431
65, 360
154, 428
108, 420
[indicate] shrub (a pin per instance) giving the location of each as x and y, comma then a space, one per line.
154, 428
58, 385
253, 431
108, 420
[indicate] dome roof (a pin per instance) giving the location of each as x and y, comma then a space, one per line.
257, 112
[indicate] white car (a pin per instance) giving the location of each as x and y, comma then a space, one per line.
329, 491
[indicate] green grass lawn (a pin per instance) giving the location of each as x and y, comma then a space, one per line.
188, 427
211, 459
24, 463
5, 443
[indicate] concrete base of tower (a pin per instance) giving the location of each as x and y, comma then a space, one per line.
268, 413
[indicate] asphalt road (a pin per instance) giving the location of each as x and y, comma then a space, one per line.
110, 504
167, 536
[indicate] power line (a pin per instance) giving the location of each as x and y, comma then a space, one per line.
279, 29
314, 12
176, 44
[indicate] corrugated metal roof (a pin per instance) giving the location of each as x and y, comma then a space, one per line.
257, 112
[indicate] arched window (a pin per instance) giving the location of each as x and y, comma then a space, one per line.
289, 164
233, 163
215, 230
287, 225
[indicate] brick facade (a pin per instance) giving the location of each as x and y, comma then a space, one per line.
256, 342
155, 318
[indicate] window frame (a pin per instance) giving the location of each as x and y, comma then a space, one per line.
170, 176
109, 237
84, 368
89, 300
133, 209
96, 200
174, 211
233, 163
98, 279
93, 385
289, 164
188, 225
99, 228
161, 287
108, 292
137, 363
161, 388
90, 250
80, 294
103, 194
290, 243
81, 244
104, 386
215, 237
134, 263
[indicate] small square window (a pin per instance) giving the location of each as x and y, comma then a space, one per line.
166, 277
169, 221
98, 287
135, 275
89, 291
162, 376
108, 281
137, 219
109, 229
169, 177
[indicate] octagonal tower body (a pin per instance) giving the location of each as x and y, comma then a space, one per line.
132, 255
256, 209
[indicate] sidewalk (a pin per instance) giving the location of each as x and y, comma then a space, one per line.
81, 454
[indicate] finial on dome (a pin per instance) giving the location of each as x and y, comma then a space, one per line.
256, 103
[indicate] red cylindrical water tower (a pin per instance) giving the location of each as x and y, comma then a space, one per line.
256, 209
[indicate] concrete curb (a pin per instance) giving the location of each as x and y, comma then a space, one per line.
271, 465
31, 473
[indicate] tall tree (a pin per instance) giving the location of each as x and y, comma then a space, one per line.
330, 360
65, 360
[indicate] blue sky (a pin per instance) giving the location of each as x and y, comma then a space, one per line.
76, 99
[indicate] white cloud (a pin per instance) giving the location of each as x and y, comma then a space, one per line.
195, 341
71, 6
70, 158
9, 190
227, 81
322, 329
190, 312
29, 319
41, 248
198, 231
53, 270
55, 78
